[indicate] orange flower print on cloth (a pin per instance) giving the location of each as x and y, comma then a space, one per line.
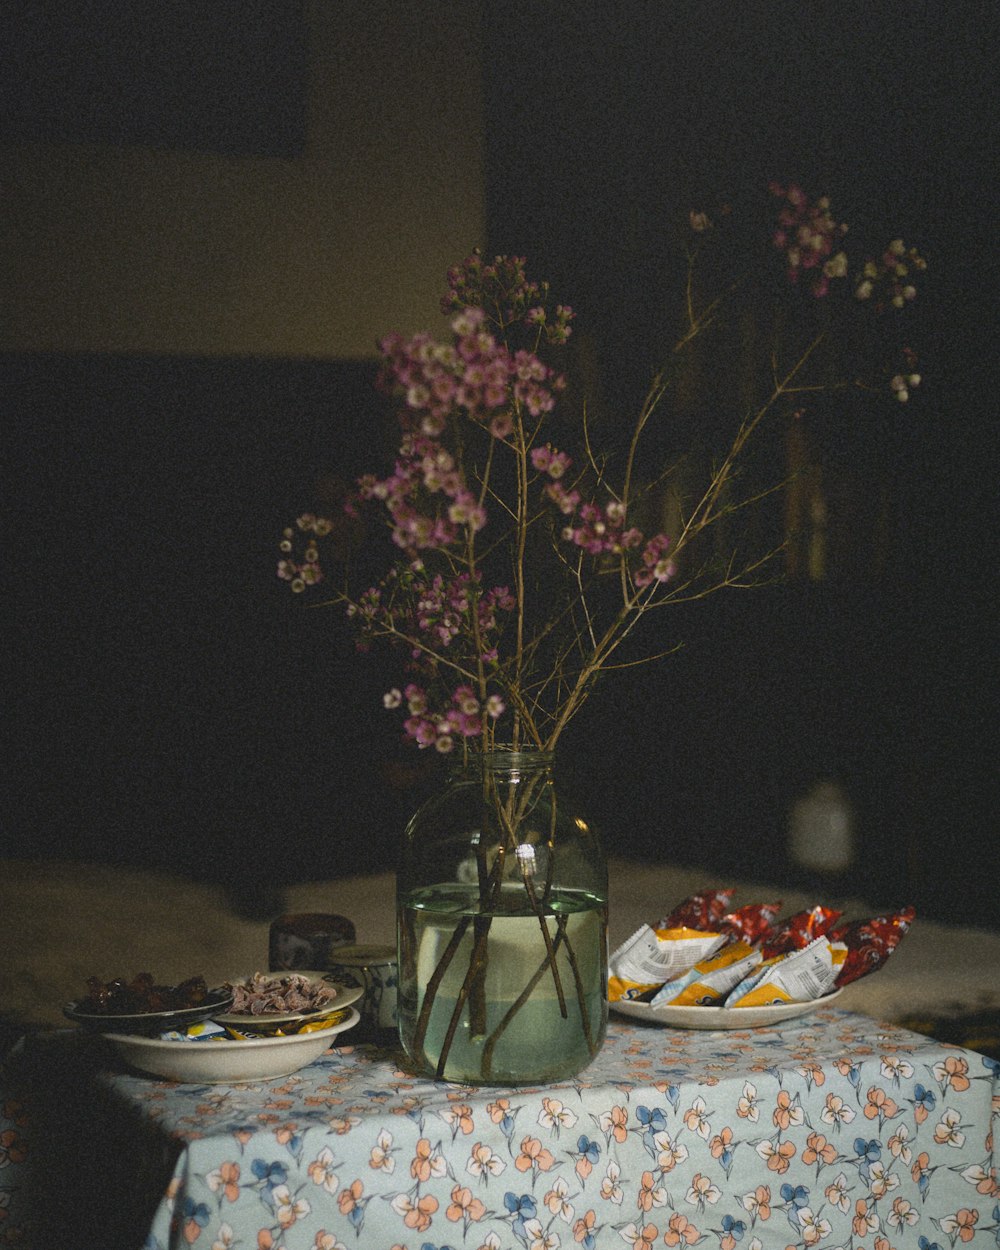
668, 1152
787, 1112
813, 1073
696, 1118
585, 1228
464, 1207
554, 1115
287, 1207
557, 1201
702, 1192
953, 1072
778, 1158
896, 1069
459, 1118
819, 1151
865, 1219
836, 1111
225, 1181
350, 1199
329, 1241
320, 1171
949, 1130
416, 1214
814, 1228
757, 1203
614, 1124
961, 1225
382, 1158
640, 1237
748, 1107
879, 1106
903, 1214
427, 1162
611, 1188
498, 1111
534, 1157
681, 1232
484, 1162
669, 1139
650, 1194
837, 1193
721, 1145
983, 1179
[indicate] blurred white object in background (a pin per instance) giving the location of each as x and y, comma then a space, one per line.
821, 829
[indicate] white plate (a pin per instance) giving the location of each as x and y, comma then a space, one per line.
148, 1022
228, 1062
720, 1017
345, 996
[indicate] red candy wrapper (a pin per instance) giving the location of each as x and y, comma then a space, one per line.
703, 911
870, 942
795, 933
751, 923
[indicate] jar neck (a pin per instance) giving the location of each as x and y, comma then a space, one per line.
508, 764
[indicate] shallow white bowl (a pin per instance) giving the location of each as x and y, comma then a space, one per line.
228, 1062
720, 1017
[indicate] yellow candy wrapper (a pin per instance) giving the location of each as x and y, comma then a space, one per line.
202, 1031
797, 977
312, 1025
710, 980
651, 957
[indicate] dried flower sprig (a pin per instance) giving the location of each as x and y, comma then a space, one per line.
524, 568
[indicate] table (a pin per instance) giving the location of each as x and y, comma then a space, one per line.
830, 1130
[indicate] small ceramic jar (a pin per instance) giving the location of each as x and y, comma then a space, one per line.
374, 969
307, 940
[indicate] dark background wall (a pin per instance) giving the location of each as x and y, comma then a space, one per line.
882, 675
172, 706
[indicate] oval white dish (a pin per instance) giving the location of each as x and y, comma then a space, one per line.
720, 1017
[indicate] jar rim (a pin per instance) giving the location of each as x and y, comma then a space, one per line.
506, 759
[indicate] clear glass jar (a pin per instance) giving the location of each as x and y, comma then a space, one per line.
502, 910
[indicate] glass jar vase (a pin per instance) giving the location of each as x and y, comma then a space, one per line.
502, 908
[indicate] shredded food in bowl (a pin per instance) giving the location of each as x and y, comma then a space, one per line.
262, 995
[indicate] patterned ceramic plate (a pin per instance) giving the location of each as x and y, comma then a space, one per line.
720, 1017
344, 996
148, 1021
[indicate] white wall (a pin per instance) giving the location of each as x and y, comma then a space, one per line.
129, 249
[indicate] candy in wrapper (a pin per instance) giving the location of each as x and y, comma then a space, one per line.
327, 1022
799, 930
751, 923
710, 980
203, 1031
701, 911
289, 1029
798, 977
651, 957
870, 942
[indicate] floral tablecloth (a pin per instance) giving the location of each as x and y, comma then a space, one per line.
829, 1131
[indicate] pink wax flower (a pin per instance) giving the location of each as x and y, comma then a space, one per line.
530, 530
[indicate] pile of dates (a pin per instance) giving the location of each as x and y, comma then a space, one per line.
141, 994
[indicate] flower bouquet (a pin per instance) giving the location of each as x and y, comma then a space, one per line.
531, 559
